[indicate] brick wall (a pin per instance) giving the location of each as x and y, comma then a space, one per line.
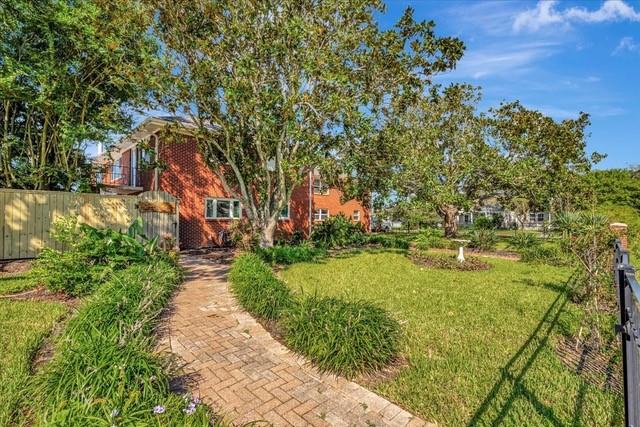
188, 178
332, 202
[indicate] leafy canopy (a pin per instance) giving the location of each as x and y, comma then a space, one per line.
68, 69
283, 81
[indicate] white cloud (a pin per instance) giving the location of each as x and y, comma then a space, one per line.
627, 44
546, 14
502, 59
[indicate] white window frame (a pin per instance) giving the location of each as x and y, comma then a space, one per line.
540, 217
215, 208
285, 218
318, 214
533, 216
318, 185
356, 215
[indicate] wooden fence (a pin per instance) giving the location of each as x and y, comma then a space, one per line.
27, 216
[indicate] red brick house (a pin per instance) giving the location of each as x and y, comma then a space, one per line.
205, 208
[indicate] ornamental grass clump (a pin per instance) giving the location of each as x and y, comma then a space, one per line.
257, 289
346, 338
105, 370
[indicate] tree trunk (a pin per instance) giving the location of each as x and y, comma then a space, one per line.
267, 231
449, 213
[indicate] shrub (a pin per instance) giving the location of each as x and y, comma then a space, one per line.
68, 272
483, 239
346, 338
337, 231
257, 289
105, 368
524, 240
483, 223
290, 254
546, 254
388, 241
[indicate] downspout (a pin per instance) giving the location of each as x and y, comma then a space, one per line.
310, 204
156, 173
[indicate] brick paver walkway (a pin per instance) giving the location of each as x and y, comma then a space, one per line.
247, 375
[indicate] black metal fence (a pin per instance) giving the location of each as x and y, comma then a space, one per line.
628, 290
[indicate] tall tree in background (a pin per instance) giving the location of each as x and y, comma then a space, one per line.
543, 162
445, 160
69, 73
282, 81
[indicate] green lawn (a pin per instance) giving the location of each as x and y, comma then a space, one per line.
23, 325
10, 284
480, 344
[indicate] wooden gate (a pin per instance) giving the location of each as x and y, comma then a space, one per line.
160, 212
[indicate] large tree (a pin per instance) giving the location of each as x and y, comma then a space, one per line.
445, 160
274, 86
69, 73
543, 161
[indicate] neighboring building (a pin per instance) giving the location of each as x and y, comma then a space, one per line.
205, 208
533, 220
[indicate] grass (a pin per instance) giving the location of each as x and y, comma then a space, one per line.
11, 284
480, 343
23, 325
105, 370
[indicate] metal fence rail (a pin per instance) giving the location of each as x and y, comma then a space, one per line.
628, 290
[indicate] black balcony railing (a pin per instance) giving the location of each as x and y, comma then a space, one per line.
628, 291
121, 176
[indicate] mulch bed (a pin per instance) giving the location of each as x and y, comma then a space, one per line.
591, 364
14, 267
41, 294
448, 262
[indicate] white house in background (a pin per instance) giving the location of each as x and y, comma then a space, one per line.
534, 220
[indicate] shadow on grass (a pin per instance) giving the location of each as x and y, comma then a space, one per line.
512, 381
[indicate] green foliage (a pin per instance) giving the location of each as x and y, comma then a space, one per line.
443, 159
68, 69
550, 254
105, 366
387, 241
90, 255
524, 240
619, 187
285, 255
291, 84
347, 338
629, 216
338, 231
543, 161
483, 239
588, 238
431, 238
69, 272
489, 222
257, 289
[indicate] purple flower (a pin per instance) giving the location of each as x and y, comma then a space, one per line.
115, 413
190, 409
158, 409
196, 400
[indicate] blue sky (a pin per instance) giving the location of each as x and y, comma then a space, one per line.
559, 57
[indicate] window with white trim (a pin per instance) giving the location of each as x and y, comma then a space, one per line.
222, 209
284, 213
320, 187
532, 217
540, 216
356, 216
320, 214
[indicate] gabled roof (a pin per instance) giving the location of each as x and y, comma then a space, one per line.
148, 127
